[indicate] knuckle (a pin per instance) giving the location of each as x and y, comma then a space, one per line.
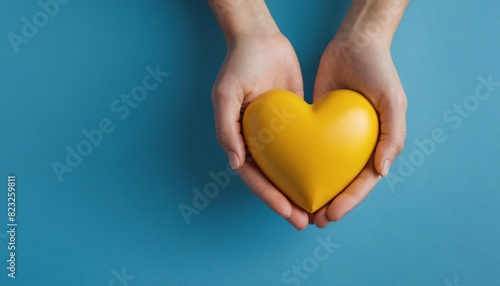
394, 141
221, 137
224, 90
399, 145
403, 102
218, 92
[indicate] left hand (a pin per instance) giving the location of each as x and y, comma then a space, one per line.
370, 71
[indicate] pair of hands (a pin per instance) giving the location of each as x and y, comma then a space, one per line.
263, 60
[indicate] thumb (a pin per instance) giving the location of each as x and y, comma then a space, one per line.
392, 112
227, 107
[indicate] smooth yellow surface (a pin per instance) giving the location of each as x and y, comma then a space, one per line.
311, 152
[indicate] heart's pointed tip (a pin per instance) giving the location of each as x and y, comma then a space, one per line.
310, 208
310, 201
313, 209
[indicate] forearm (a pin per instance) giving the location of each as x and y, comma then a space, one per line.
372, 21
243, 17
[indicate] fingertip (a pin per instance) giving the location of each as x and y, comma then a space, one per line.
384, 169
334, 215
299, 219
285, 210
384, 156
299, 226
320, 218
234, 161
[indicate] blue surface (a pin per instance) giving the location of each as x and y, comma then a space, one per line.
115, 219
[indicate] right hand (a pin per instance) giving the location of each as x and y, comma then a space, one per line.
255, 63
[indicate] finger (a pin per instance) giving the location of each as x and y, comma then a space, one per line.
227, 106
354, 193
320, 218
299, 218
392, 112
266, 191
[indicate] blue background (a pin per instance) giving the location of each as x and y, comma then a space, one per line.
118, 210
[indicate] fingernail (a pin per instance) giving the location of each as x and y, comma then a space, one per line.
234, 162
385, 167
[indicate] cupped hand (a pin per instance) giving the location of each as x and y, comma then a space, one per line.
255, 63
370, 71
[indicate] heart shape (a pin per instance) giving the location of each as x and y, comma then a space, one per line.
311, 152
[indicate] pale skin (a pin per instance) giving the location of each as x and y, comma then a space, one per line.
260, 58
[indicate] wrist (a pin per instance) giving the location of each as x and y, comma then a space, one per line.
371, 22
242, 18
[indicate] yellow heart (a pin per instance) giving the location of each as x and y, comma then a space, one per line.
311, 152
